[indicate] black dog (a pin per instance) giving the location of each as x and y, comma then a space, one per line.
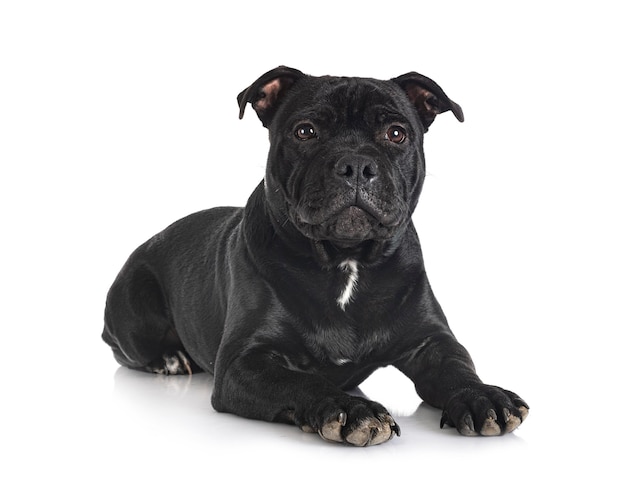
319, 280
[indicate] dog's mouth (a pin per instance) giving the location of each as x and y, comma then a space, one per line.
352, 224
350, 233
347, 217
348, 227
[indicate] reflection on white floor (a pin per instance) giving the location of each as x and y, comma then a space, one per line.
175, 412
118, 118
115, 423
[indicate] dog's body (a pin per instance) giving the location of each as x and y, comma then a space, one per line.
319, 280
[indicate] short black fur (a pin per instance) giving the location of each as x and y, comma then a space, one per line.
319, 280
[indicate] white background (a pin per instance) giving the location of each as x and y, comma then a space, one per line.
119, 117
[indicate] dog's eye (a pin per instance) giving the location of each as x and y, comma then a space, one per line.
305, 132
395, 134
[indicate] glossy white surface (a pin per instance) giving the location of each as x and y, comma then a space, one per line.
119, 117
122, 424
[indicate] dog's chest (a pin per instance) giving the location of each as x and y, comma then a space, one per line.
350, 331
338, 345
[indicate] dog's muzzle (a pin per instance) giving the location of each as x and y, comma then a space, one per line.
355, 204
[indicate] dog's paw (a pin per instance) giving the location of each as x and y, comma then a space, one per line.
171, 364
484, 410
357, 421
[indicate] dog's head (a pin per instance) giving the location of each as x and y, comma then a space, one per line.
346, 164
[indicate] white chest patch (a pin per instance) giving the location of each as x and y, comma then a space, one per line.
351, 268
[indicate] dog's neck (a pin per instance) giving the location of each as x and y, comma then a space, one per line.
330, 255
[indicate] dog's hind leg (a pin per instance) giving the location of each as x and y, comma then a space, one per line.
138, 325
173, 363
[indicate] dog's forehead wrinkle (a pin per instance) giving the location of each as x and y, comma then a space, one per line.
347, 99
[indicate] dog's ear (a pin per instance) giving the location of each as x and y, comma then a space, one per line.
265, 93
428, 97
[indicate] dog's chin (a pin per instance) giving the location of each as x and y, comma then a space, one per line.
347, 229
352, 225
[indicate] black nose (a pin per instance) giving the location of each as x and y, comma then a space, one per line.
356, 169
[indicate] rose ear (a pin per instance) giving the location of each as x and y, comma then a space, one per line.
428, 98
266, 92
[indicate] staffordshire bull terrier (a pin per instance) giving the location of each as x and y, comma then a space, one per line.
319, 280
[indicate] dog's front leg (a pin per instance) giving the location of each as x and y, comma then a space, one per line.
444, 376
257, 385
